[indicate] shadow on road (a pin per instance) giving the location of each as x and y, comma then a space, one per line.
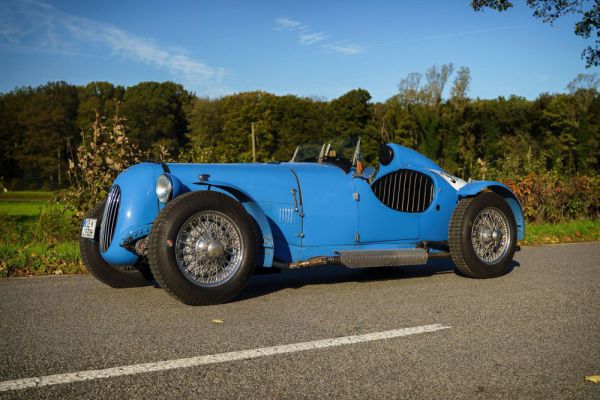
261, 285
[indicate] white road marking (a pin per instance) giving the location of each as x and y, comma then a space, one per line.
81, 376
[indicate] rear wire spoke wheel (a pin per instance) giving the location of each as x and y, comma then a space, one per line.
490, 235
482, 236
202, 248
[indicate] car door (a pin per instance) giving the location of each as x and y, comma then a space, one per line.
390, 208
329, 209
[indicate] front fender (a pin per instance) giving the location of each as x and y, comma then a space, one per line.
138, 208
473, 188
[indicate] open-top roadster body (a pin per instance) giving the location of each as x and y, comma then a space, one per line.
201, 229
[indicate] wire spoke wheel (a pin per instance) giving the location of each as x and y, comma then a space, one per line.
490, 235
202, 247
209, 248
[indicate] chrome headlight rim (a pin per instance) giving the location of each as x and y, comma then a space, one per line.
164, 188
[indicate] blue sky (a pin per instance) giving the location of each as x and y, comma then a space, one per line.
307, 48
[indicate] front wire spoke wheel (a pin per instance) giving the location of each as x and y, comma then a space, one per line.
210, 255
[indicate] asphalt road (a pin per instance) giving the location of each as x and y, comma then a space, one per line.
533, 333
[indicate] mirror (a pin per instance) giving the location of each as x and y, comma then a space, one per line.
368, 173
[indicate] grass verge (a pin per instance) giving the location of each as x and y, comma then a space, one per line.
40, 259
22, 208
36, 237
563, 232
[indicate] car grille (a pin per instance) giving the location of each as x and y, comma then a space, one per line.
404, 190
109, 218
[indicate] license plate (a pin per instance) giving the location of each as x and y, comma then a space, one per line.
89, 228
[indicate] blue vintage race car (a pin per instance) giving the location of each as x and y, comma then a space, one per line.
200, 229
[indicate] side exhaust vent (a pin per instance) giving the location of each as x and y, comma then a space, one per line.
404, 190
109, 218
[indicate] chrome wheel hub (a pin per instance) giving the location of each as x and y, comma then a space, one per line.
209, 248
490, 235
215, 249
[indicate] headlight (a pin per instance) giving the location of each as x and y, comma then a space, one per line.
164, 188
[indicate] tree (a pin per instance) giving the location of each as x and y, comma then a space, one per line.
409, 89
422, 103
508, 137
460, 87
395, 123
454, 120
155, 114
97, 97
584, 91
585, 88
550, 10
205, 126
436, 82
350, 113
351, 117
11, 133
45, 123
562, 127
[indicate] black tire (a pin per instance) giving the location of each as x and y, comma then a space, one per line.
162, 246
460, 237
116, 277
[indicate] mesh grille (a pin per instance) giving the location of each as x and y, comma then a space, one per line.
383, 258
404, 190
109, 218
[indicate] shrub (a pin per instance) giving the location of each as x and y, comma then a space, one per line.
548, 197
15, 229
104, 152
198, 154
55, 224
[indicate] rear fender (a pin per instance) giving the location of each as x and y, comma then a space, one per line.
265, 258
473, 188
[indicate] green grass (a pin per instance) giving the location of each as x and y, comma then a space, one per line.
563, 232
36, 237
17, 259
22, 208
24, 203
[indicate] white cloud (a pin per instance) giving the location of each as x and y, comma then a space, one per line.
311, 38
286, 23
344, 48
40, 26
308, 37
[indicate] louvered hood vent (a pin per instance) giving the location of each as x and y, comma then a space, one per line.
404, 190
109, 218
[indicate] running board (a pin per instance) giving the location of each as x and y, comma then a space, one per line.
383, 258
366, 259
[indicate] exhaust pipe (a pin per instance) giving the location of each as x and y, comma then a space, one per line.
311, 262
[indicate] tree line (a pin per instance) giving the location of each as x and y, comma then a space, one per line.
40, 127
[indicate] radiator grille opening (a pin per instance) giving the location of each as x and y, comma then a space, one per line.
109, 217
404, 190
